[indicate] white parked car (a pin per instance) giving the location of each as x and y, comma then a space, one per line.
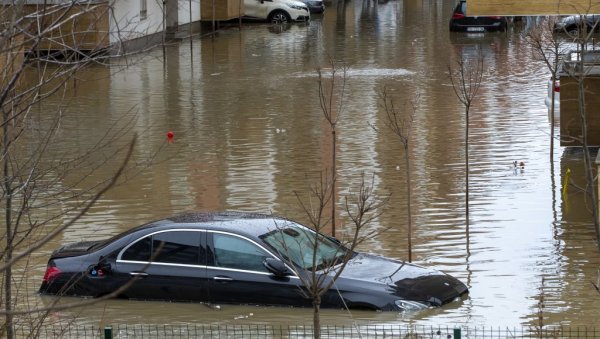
276, 11
548, 99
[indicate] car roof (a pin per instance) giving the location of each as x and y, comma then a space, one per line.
227, 221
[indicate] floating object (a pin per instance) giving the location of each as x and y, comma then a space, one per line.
170, 136
566, 182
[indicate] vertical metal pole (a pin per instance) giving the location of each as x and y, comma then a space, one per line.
213, 17
164, 24
191, 34
108, 334
457, 333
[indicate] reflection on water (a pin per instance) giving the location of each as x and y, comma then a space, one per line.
249, 133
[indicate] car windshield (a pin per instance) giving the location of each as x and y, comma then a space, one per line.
297, 244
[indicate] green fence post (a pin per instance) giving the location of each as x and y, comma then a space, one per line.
108, 332
457, 333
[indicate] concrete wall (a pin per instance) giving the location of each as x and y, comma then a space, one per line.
184, 11
570, 120
538, 7
127, 24
597, 179
137, 32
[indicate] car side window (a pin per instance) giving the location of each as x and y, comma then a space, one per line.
177, 247
173, 247
237, 253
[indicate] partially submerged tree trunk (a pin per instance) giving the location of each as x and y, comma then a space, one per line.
331, 100
466, 80
401, 125
362, 208
317, 316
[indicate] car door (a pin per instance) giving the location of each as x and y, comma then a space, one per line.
256, 8
237, 274
166, 265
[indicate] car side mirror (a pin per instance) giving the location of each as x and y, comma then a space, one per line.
277, 267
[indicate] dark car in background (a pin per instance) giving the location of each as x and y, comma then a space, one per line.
460, 22
573, 23
315, 6
239, 258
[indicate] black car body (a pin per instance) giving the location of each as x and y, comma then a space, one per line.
573, 23
460, 22
315, 6
232, 257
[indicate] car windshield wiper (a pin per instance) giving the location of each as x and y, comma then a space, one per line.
325, 263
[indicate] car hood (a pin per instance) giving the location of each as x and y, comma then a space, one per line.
294, 3
408, 281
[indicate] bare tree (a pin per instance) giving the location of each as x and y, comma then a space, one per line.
46, 187
331, 100
327, 257
550, 49
401, 125
466, 80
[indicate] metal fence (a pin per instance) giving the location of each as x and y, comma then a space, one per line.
299, 331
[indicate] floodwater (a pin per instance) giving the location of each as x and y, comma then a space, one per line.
249, 133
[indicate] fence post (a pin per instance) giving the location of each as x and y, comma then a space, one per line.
457, 333
108, 332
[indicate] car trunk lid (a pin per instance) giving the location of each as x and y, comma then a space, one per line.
73, 249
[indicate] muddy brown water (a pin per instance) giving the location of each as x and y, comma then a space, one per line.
249, 133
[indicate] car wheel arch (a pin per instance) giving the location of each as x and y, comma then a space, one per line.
276, 12
359, 301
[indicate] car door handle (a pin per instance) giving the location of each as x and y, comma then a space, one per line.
220, 278
138, 274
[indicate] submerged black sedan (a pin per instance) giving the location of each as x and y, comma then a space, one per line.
239, 258
461, 22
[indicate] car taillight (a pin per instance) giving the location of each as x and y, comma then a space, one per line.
458, 15
51, 273
557, 87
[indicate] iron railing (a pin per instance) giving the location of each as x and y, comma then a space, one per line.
123, 331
